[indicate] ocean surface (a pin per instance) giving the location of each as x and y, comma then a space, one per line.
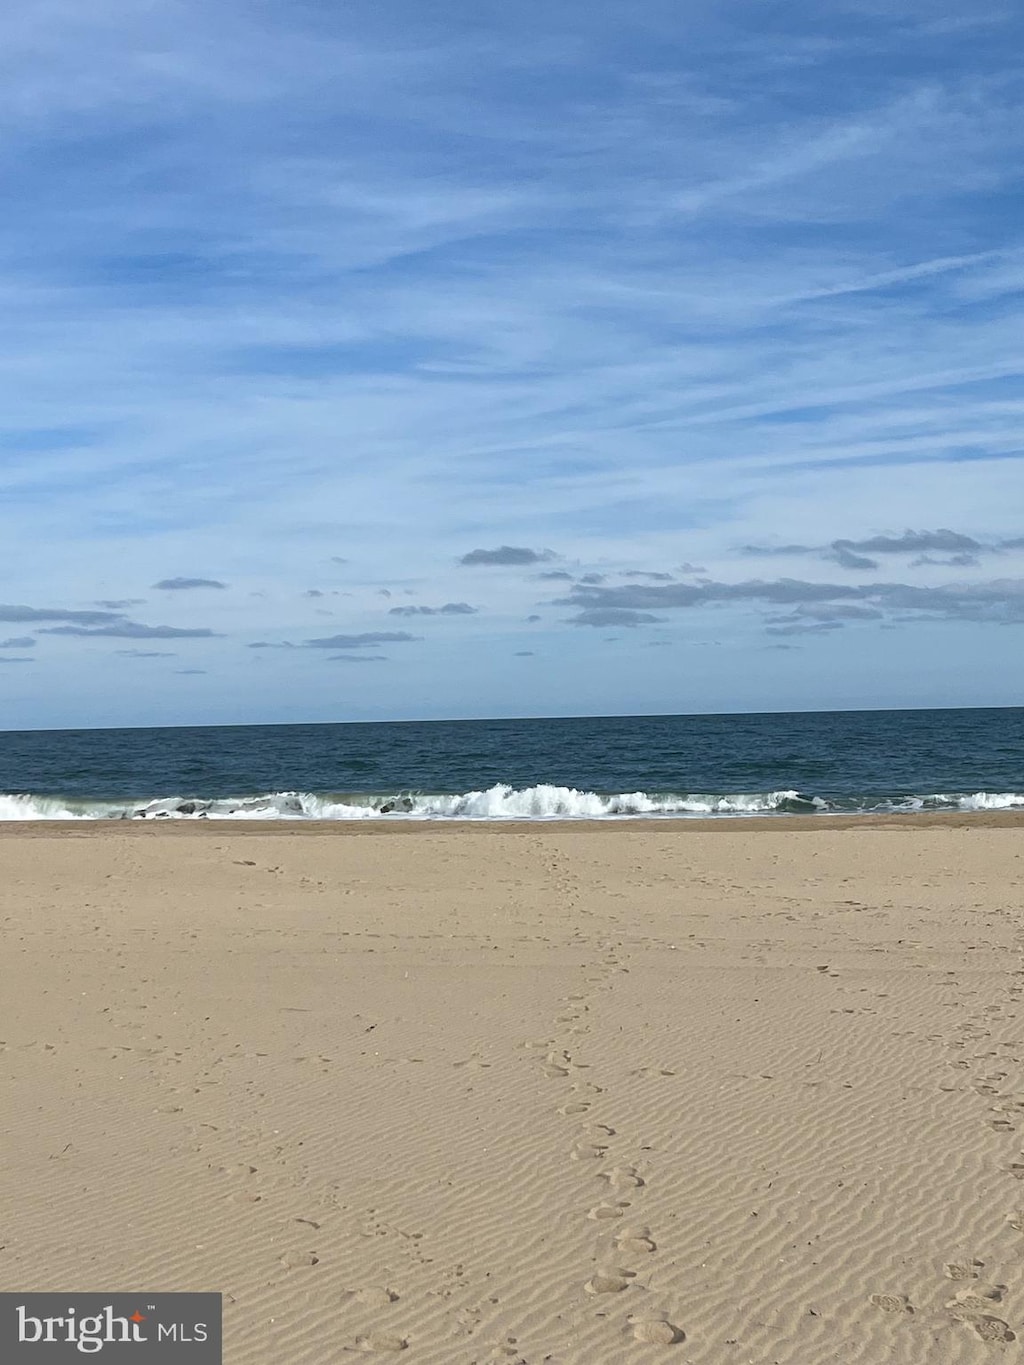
602, 768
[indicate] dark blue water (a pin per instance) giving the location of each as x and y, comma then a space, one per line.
661, 765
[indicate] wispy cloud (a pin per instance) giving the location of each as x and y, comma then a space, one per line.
804, 627
911, 542
132, 630
85, 618
961, 550
614, 616
507, 555
449, 609
185, 584
999, 601
363, 641
964, 560
768, 551
848, 558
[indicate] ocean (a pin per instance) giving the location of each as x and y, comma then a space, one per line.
580, 768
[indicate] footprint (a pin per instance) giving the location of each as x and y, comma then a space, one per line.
375, 1296
634, 1232
585, 1151
656, 1331
601, 1212
294, 1259
976, 1298
381, 1341
558, 1058
892, 1303
992, 1329
606, 1284
636, 1246
623, 1178
467, 1320
962, 1270
576, 1107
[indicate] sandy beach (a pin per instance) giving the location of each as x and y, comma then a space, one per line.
562, 1093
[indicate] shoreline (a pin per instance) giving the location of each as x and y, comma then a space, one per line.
696, 824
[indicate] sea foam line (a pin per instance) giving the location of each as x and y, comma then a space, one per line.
499, 802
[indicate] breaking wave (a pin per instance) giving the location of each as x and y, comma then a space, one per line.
499, 802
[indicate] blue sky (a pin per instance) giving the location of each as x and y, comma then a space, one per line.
330, 333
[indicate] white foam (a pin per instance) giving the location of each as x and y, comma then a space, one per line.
35, 808
991, 801
500, 802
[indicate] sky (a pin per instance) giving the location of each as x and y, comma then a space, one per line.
414, 360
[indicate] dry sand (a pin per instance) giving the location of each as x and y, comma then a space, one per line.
554, 1094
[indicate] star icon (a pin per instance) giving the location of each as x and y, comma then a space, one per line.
137, 1317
